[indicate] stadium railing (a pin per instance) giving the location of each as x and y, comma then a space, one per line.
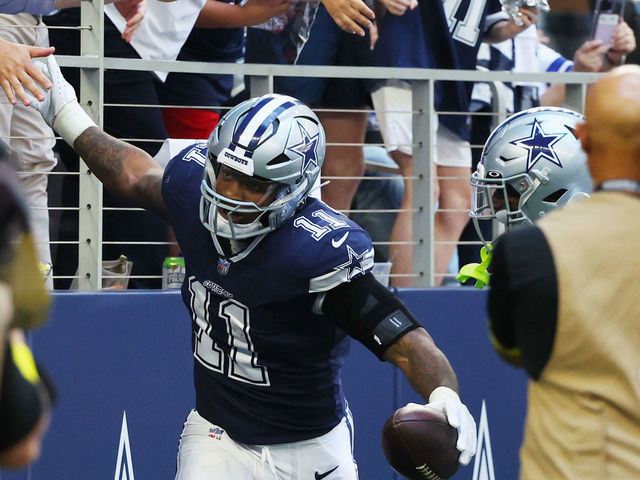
92, 63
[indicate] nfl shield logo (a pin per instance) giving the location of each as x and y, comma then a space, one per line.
223, 266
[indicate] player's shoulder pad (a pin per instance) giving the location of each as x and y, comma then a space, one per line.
338, 249
182, 178
193, 156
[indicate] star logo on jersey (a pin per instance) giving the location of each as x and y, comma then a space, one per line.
357, 263
539, 145
307, 148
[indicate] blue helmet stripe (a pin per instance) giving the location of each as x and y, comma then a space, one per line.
265, 124
247, 119
260, 109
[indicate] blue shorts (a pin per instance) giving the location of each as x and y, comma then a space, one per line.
328, 44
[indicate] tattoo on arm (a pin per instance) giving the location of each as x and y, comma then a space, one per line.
124, 169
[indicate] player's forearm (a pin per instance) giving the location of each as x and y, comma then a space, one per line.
422, 362
124, 169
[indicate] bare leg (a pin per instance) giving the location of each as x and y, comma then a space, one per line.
402, 254
343, 161
455, 194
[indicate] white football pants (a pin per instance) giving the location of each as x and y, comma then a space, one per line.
206, 452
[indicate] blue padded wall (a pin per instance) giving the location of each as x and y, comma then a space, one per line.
113, 354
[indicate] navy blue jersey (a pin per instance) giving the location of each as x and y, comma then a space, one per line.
451, 32
267, 368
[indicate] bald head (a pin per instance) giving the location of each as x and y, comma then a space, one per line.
613, 109
611, 134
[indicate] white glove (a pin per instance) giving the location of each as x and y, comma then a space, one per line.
60, 108
458, 416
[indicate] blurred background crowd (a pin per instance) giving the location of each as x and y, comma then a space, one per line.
368, 124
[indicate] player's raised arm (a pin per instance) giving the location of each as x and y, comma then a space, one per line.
124, 169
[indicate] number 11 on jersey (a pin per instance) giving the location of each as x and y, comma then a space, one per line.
241, 363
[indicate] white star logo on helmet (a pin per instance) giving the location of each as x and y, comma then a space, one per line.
307, 148
539, 145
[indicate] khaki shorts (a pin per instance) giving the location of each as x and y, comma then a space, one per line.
390, 102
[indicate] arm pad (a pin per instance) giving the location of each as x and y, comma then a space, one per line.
369, 312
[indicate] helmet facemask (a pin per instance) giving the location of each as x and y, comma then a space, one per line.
501, 199
238, 219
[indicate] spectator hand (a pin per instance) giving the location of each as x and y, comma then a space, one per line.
18, 72
448, 402
399, 7
588, 58
528, 17
133, 12
60, 108
350, 15
624, 42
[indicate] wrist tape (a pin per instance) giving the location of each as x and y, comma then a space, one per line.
71, 121
443, 393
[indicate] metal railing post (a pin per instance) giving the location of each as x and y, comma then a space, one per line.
90, 198
575, 96
423, 151
261, 85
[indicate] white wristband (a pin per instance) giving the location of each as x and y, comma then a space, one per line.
71, 121
443, 393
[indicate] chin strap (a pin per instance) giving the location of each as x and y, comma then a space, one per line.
478, 271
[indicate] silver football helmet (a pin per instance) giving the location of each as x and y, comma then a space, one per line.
275, 140
531, 163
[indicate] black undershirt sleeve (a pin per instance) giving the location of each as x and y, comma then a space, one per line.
523, 299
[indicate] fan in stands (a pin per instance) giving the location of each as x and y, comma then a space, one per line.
419, 443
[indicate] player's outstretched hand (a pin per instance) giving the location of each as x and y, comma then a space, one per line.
350, 15
458, 416
60, 107
17, 71
60, 94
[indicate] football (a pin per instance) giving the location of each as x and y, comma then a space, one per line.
419, 443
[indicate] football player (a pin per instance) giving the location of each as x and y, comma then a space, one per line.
531, 164
275, 281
